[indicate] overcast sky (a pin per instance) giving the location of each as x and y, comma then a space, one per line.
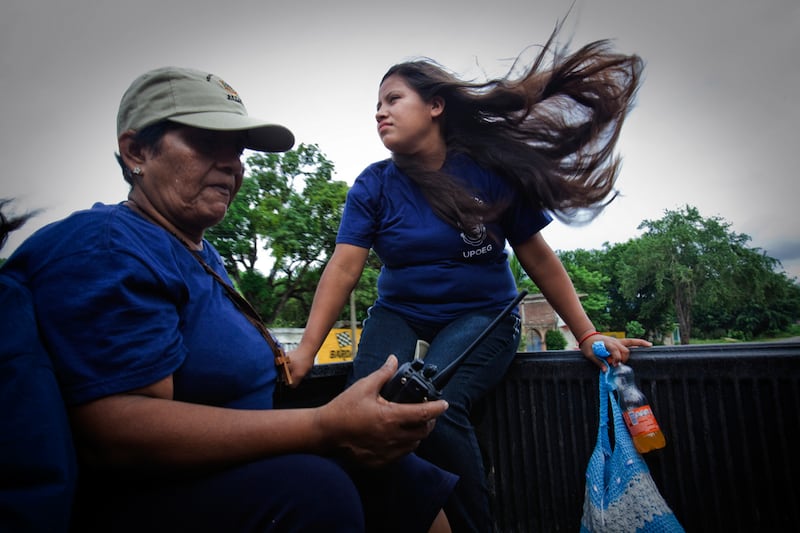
715, 124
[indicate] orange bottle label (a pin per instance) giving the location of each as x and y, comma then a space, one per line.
640, 420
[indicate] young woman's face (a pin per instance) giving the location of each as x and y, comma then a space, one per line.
407, 124
194, 176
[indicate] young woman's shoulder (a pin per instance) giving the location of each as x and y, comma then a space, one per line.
375, 179
379, 169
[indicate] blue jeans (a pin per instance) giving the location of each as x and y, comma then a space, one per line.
453, 444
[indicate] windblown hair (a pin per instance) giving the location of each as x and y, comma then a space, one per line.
10, 223
550, 132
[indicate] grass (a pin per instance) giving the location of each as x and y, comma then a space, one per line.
793, 331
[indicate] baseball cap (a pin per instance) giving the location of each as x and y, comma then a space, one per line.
199, 99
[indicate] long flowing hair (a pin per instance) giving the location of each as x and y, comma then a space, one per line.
551, 131
9, 223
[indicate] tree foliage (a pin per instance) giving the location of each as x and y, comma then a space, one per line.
695, 270
555, 340
686, 270
764, 301
285, 216
521, 278
634, 329
586, 270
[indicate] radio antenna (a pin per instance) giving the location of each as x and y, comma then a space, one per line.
443, 376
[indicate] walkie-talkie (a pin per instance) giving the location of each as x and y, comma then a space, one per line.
416, 382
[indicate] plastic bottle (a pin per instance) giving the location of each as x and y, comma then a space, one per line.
636, 411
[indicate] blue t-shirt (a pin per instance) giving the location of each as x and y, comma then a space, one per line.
433, 272
38, 465
122, 304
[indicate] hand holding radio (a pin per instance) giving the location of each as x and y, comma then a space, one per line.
416, 382
371, 431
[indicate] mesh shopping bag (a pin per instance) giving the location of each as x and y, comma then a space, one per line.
620, 495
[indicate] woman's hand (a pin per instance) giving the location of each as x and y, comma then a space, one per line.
300, 364
372, 430
617, 348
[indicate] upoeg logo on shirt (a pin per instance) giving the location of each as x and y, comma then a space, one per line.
475, 238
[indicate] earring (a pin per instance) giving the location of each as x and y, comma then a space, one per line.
137, 171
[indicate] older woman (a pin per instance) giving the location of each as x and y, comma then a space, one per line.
167, 373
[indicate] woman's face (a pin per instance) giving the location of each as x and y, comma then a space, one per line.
406, 123
193, 177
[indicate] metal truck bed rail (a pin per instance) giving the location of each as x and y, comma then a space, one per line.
730, 414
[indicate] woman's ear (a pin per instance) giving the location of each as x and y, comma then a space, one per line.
437, 106
130, 151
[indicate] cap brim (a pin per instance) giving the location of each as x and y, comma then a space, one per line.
261, 136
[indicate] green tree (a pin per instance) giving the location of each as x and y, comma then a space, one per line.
521, 278
621, 309
285, 216
761, 300
634, 329
585, 269
684, 262
642, 305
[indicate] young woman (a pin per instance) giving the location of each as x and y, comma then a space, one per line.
474, 165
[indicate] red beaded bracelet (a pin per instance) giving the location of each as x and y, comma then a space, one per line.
590, 334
